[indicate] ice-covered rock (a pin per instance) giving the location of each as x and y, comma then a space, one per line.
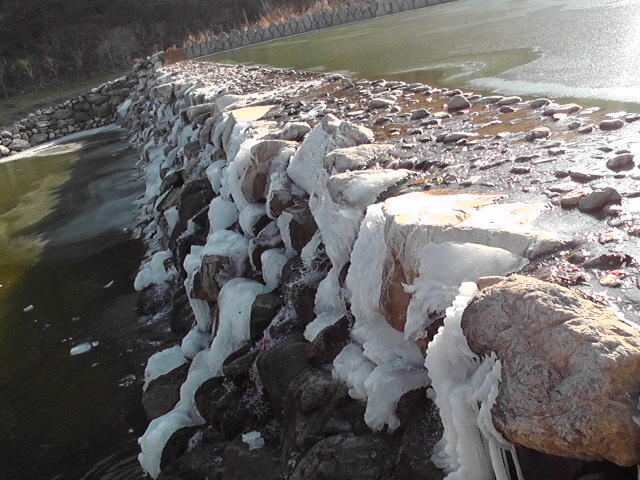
353, 158
307, 165
569, 369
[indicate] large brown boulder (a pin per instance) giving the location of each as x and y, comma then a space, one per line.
570, 369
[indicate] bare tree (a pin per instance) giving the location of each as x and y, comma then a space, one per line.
4, 67
51, 64
26, 65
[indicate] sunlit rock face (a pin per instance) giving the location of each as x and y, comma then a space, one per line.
570, 370
436, 242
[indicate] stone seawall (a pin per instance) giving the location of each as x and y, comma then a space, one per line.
92, 109
332, 17
335, 260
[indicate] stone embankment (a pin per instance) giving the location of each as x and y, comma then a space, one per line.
335, 260
95, 108
309, 22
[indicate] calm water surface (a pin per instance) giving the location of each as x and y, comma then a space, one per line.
62, 215
572, 49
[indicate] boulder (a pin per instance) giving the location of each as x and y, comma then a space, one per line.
18, 145
458, 102
279, 366
265, 158
598, 199
353, 158
263, 311
163, 393
566, 109
614, 124
240, 462
621, 162
163, 92
307, 164
294, 131
345, 456
569, 370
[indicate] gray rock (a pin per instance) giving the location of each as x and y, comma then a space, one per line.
608, 125
458, 102
241, 463
508, 101
456, 137
354, 158
18, 145
263, 311
96, 99
566, 109
330, 342
539, 103
278, 367
489, 100
419, 114
381, 102
62, 114
598, 199
294, 131
346, 456
163, 393
4, 151
621, 162
537, 133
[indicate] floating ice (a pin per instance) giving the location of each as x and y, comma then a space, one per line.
83, 347
109, 285
28, 308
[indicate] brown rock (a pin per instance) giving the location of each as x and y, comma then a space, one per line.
255, 179
569, 370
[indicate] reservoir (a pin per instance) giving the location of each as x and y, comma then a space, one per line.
69, 359
585, 50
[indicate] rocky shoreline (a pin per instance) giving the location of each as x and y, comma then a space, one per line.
312, 234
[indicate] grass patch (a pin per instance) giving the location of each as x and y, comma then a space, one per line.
18, 107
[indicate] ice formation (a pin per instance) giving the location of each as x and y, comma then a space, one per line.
465, 388
162, 362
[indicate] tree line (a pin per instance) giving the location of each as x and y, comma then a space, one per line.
48, 41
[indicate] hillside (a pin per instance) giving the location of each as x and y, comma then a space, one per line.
47, 41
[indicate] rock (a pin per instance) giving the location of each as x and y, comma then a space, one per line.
381, 102
4, 151
62, 114
353, 158
458, 102
569, 370
96, 99
598, 199
264, 309
362, 188
19, 145
279, 366
346, 456
419, 114
163, 92
200, 462
194, 196
294, 131
239, 462
608, 261
330, 342
307, 163
456, 137
39, 138
163, 393
566, 109
236, 366
587, 129
181, 316
538, 133
267, 157
422, 433
177, 445
571, 199
507, 109
490, 100
621, 162
317, 406
539, 103
302, 226
508, 101
608, 125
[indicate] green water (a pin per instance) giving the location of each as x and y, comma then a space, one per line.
567, 49
62, 214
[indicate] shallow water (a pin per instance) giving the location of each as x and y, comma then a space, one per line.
570, 49
62, 215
